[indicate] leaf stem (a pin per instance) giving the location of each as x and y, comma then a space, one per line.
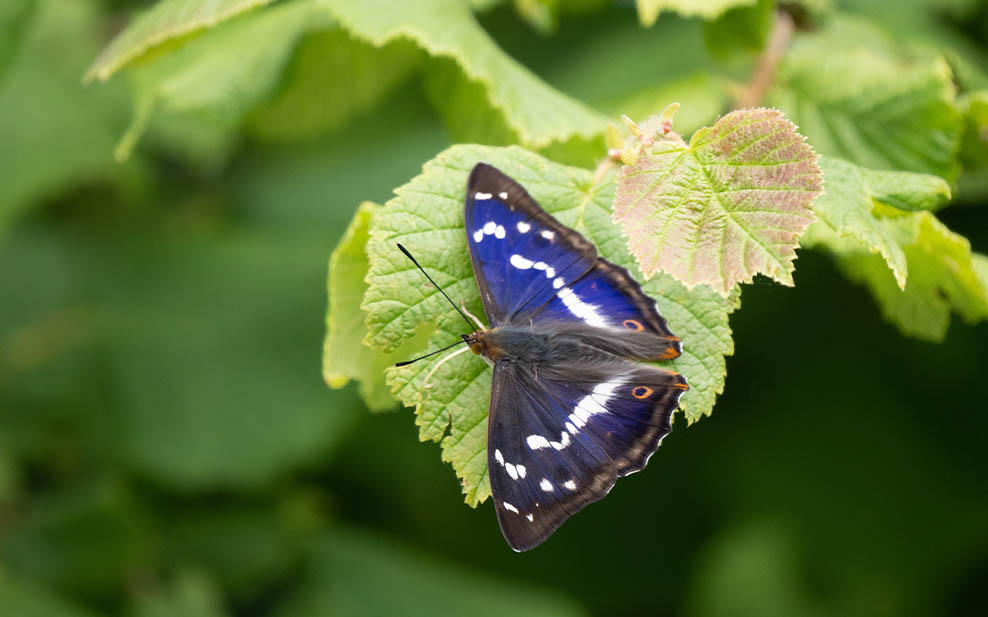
764, 73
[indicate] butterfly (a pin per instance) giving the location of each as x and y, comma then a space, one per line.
574, 405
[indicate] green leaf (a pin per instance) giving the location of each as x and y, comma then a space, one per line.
878, 226
742, 29
326, 64
865, 106
220, 75
83, 537
190, 593
345, 357
167, 20
56, 133
648, 10
244, 544
193, 420
352, 573
701, 95
944, 277
538, 113
847, 206
752, 570
25, 598
973, 183
729, 205
427, 217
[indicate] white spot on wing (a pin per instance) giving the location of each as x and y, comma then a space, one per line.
502, 195
530, 518
562, 443
545, 485
550, 272
499, 232
478, 235
540, 265
593, 403
520, 262
521, 471
489, 227
523, 227
571, 428
586, 312
568, 484
509, 507
548, 235
498, 456
537, 442
512, 471
479, 195
559, 282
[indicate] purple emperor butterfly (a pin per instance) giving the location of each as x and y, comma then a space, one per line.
573, 407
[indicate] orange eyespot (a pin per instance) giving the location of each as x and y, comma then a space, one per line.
641, 392
633, 324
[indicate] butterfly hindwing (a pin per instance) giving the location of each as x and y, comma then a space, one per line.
558, 443
535, 491
607, 297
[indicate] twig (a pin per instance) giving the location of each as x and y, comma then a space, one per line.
764, 73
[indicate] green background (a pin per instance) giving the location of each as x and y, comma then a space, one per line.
168, 447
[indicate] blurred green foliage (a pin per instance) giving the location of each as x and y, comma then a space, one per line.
167, 444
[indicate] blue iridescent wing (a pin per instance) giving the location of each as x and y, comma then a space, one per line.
532, 269
517, 249
557, 444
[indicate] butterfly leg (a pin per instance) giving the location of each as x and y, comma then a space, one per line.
425, 383
480, 325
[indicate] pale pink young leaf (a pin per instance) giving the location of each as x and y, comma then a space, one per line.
727, 206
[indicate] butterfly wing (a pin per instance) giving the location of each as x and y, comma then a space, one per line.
558, 443
517, 249
531, 268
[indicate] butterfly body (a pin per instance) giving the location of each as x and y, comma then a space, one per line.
573, 404
559, 347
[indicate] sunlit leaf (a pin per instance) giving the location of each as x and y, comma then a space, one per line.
701, 95
166, 20
973, 183
331, 79
742, 29
538, 113
944, 277
847, 208
727, 206
865, 106
345, 357
648, 10
55, 134
218, 76
427, 217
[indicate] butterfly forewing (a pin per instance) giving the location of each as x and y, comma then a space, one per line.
517, 249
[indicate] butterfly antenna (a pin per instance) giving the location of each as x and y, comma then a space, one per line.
453, 304
431, 353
